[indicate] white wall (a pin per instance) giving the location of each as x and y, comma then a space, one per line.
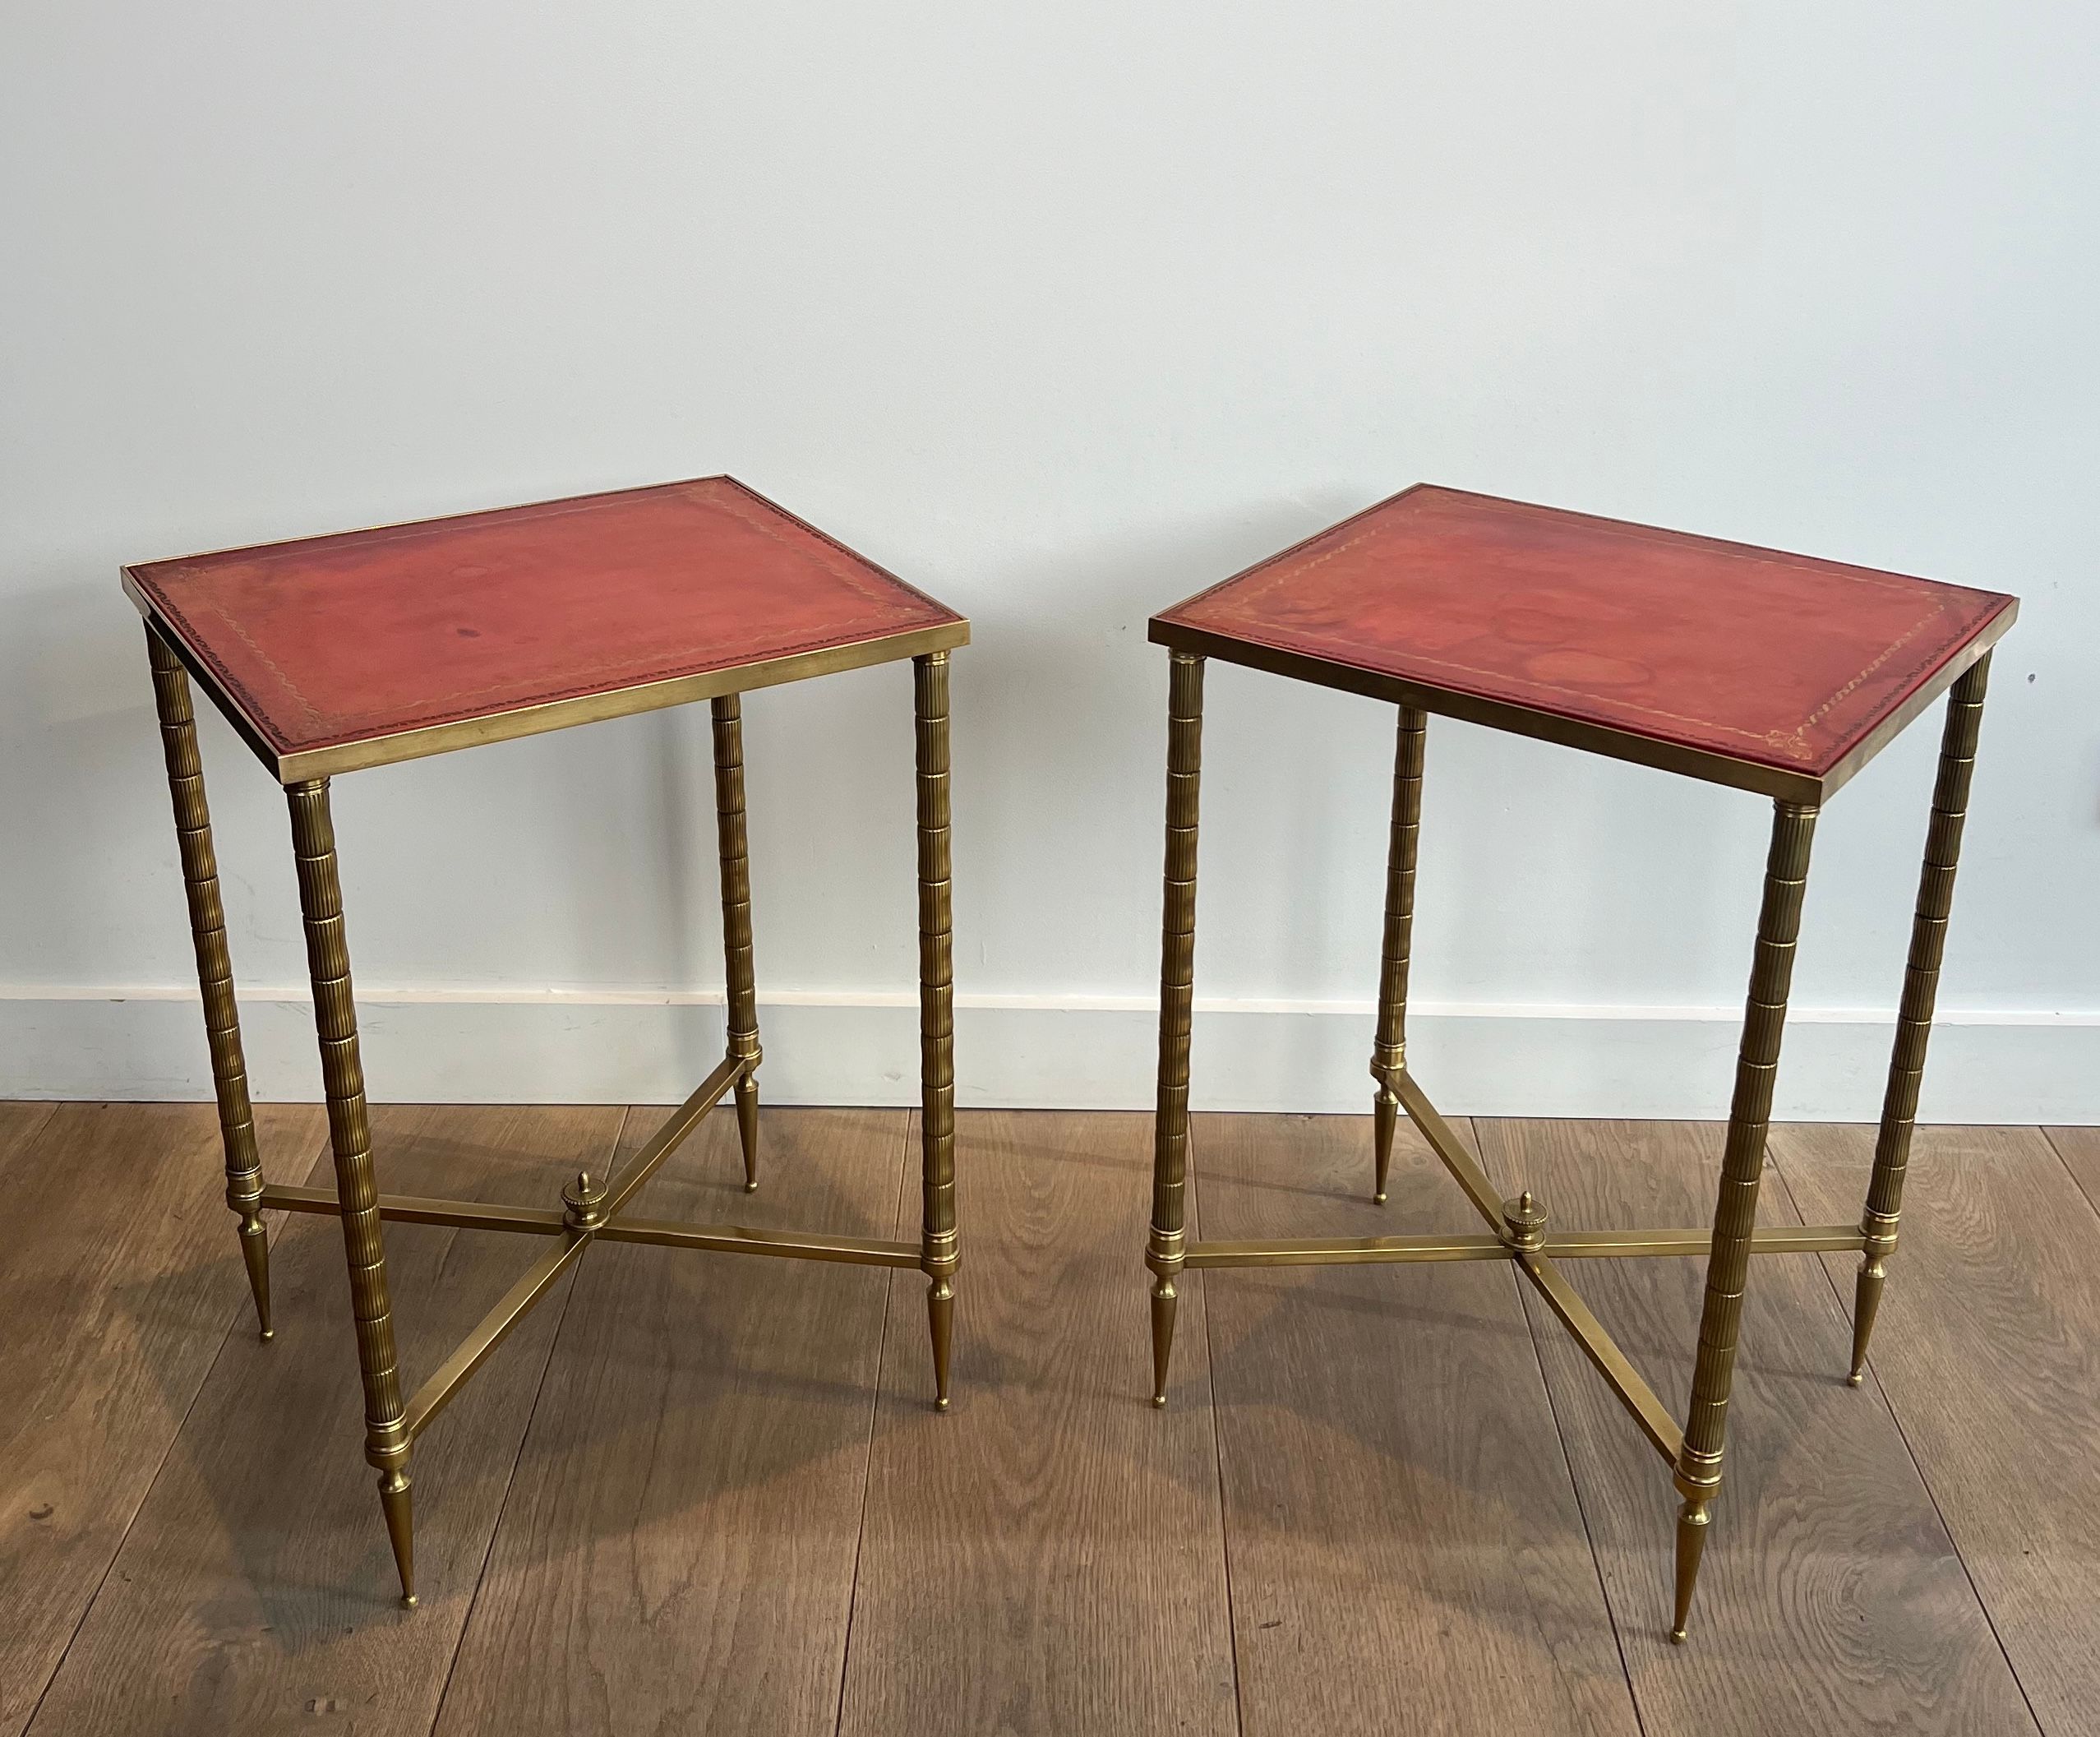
1062, 311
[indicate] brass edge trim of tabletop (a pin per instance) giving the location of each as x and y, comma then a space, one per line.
1908, 713
552, 714
623, 702
228, 708
1568, 733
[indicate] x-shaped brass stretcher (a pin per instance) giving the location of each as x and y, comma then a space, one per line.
1518, 1226
591, 1210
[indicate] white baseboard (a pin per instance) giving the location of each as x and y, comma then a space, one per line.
1028, 1051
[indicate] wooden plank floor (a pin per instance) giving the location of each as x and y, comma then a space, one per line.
1831, 1598
677, 1551
1406, 1550
1046, 1556
708, 1493
1987, 1350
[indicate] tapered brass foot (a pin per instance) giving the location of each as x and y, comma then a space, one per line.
1693, 1522
1880, 1221
255, 1255
747, 1128
222, 1013
1735, 1212
394, 1499
1164, 1296
940, 1323
1384, 1111
1866, 1304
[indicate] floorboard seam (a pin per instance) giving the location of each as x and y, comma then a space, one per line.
1902, 1435
146, 1495
38, 1128
1581, 1508
2077, 1182
875, 1412
1567, 1458
517, 1459
1217, 1451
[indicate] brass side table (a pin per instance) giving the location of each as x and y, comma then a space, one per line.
335, 653
1744, 667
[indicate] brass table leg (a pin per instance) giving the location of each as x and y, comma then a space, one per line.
939, 1253
1164, 1250
349, 1134
1735, 1215
1928, 939
222, 1013
1389, 1052
742, 992
593, 1208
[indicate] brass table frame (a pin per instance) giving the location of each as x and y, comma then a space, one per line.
592, 1207
1518, 1227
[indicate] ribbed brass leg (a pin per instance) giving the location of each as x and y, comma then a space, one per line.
742, 996
222, 1014
1921, 985
349, 1134
1389, 1053
1164, 1249
1735, 1215
940, 1254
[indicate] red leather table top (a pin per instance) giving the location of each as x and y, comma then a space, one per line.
531, 616
1773, 672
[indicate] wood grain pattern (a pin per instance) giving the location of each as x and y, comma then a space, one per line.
1831, 1597
678, 1551
1047, 1556
1988, 1347
1406, 1551
2080, 1148
255, 1591
734, 1509
122, 1277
